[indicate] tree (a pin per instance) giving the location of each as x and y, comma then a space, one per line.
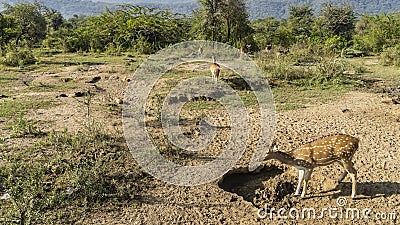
30, 21
224, 21
301, 20
376, 32
135, 28
54, 19
7, 31
238, 29
272, 31
338, 20
207, 20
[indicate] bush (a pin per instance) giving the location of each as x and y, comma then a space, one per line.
142, 46
391, 56
19, 57
26, 187
64, 174
309, 65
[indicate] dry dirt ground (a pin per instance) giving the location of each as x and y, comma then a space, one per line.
238, 197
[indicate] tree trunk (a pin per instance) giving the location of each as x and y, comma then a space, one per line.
228, 35
18, 38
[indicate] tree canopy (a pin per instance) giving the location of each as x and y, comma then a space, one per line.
146, 30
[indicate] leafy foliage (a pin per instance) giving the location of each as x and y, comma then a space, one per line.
301, 21
223, 21
77, 171
19, 56
29, 20
129, 28
338, 19
391, 56
376, 32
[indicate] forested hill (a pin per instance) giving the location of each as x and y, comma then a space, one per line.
256, 8
68, 8
280, 9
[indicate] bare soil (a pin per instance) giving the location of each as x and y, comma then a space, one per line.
237, 197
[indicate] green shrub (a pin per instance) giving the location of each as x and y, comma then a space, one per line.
307, 65
142, 46
19, 57
23, 127
25, 184
391, 56
65, 171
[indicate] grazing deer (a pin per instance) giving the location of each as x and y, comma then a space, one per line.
336, 148
280, 53
268, 47
215, 70
244, 49
200, 51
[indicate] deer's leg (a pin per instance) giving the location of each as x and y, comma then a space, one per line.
307, 175
348, 165
344, 174
301, 178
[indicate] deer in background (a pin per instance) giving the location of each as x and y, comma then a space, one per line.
244, 49
280, 53
268, 48
325, 151
215, 70
200, 51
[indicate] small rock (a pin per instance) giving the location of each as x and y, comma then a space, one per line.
127, 79
94, 80
118, 101
70, 190
5, 196
173, 100
113, 77
345, 110
349, 72
183, 98
79, 94
63, 95
66, 79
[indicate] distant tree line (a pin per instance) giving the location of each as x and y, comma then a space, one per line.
146, 30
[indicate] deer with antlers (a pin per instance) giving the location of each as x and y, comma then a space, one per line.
336, 148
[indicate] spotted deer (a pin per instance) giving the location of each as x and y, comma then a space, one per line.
336, 148
215, 69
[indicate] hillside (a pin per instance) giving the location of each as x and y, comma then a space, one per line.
272, 8
73, 7
257, 8
280, 9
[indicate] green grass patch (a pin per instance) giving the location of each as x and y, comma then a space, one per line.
65, 174
13, 108
59, 86
293, 97
376, 72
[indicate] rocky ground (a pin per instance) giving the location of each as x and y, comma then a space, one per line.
242, 197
